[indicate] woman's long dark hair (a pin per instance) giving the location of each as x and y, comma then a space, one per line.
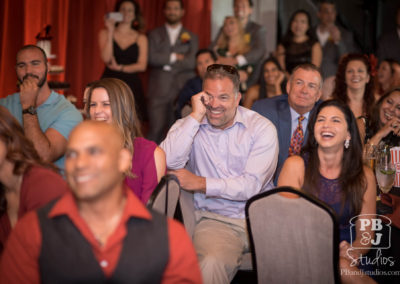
351, 178
20, 150
340, 91
137, 23
261, 80
376, 124
288, 37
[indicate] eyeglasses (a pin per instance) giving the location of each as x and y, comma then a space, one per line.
227, 68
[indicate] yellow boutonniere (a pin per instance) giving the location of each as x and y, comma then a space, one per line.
185, 37
247, 38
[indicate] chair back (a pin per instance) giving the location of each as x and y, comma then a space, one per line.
165, 196
293, 239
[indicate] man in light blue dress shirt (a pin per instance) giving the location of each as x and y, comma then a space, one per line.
225, 154
47, 117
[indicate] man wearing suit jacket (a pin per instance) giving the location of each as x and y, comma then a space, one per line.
254, 33
389, 43
304, 90
172, 50
335, 41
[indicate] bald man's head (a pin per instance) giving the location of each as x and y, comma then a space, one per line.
96, 160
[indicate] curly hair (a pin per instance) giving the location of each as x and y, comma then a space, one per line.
19, 150
123, 108
340, 91
351, 177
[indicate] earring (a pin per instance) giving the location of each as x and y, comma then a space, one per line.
347, 143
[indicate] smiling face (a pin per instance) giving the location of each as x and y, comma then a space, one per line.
222, 101
390, 107
331, 129
304, 90
271, 73
384, 73
95, 161
242, 9
127, 9
99, 105
231, 26
356, 75
173, 12
31, 63
300, 25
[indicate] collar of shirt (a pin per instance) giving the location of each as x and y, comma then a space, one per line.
238, 119
173, 32
295, 120
133, 208
322, 36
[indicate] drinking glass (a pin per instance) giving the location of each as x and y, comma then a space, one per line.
369, 155
385, 170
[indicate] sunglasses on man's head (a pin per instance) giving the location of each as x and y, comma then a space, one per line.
227, 68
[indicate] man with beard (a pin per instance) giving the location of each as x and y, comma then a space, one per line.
46, 116
225, 154
172, 50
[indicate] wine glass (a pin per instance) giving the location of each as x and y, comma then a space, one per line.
385, 171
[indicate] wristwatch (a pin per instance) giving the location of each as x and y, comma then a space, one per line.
31, 110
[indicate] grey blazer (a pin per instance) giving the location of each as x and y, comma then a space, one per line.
163, 84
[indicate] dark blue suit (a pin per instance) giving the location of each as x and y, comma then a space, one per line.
277, 110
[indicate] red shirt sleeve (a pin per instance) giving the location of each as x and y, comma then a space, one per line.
182, 266
20, 260
40, 186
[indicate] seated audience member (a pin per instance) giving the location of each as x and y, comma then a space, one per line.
271, 83
299, 45
386, 76
204, 58
354, 86
26, 182
232, 42
47, 117
389, 42
225, 154
255, 35
111, 100
99, 232
290, 113
331, 168
384, 124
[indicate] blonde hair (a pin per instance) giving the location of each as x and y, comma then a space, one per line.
223, 39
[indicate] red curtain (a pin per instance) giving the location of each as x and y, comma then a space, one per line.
75, 27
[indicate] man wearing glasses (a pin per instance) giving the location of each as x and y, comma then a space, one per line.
225, 154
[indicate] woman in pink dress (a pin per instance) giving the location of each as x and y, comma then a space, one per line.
111, 100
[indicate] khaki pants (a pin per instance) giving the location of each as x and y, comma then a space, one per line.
220, 243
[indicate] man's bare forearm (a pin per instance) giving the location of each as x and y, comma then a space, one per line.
38, 138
